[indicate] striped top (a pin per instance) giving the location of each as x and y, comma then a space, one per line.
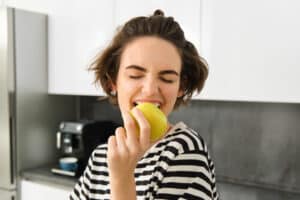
177, 167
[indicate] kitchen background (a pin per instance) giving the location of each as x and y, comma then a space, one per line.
249, 110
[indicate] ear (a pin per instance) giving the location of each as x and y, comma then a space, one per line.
181, 87
180, 93
113, 87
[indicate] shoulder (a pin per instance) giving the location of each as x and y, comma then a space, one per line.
184, 139
181, 143
184, 164
99, 150
98, 156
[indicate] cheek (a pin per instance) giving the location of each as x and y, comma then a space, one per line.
171, 93
126, 86
125, 90
170, 96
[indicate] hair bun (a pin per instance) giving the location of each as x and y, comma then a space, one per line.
158, 12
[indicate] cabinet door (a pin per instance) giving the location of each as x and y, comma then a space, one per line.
253, 50
77, 32
37, 191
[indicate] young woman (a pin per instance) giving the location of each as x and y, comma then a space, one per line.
149, 60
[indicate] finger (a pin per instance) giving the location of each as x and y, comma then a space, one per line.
121, 140
112, 146
131, 128
145, 128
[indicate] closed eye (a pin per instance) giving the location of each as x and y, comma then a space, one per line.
167, 80
169, 76
135, 77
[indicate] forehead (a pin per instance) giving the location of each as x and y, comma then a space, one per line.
150, 51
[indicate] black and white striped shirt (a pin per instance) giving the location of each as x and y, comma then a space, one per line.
177, 167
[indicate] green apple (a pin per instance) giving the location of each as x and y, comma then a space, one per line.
156, 119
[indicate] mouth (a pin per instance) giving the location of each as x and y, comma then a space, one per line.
157, 104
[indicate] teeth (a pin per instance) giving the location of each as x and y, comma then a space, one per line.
156, 104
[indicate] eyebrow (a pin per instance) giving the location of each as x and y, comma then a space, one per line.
136, 67
144, 70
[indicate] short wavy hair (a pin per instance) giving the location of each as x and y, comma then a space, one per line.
194, 70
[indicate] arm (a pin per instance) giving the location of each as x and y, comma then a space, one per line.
124, 151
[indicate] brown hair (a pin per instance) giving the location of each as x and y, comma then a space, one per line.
194, 70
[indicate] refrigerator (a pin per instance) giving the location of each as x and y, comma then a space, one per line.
29, 116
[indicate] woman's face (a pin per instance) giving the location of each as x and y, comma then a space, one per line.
149, 72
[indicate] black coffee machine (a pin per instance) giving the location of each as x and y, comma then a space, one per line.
78, 139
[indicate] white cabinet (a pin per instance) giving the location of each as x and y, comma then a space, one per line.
77, 32
77, 35
37, 191
254, 49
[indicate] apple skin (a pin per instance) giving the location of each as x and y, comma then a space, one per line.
156, 119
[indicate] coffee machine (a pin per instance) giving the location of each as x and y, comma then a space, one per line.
76, 140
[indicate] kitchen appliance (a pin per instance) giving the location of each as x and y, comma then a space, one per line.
77, 139
28, 115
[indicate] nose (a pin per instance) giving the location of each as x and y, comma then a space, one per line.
150, 86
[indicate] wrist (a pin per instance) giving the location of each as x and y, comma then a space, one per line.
123, 188
121, 180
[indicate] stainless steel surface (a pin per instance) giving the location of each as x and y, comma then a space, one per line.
34, 108
7, 178
37, 113
29, 116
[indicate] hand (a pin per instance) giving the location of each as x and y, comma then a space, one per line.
127, 147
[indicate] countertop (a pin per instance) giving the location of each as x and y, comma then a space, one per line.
44, 174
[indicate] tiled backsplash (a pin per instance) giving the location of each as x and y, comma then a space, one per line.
255, 146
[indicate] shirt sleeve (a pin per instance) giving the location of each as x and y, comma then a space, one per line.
189, 176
